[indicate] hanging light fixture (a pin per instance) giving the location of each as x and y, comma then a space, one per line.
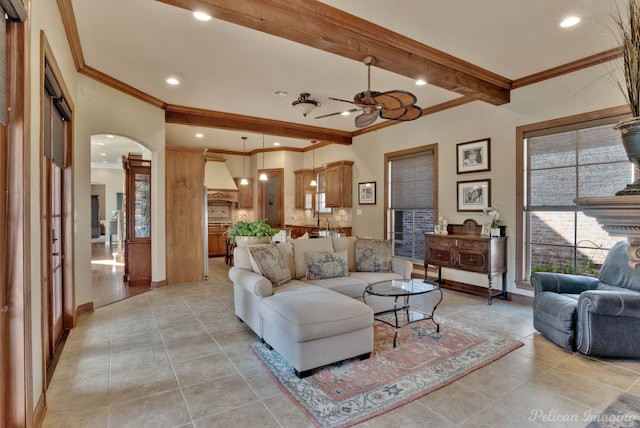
304, 105
313, 183
263, 175
243, 180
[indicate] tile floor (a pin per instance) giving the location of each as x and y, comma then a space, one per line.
178, 357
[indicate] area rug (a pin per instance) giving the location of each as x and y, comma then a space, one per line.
623, 412
352, 391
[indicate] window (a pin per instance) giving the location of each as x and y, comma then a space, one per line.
579, 159
410, 190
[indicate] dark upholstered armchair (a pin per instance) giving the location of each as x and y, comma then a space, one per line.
595, 316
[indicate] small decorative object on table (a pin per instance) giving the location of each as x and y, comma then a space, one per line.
495, 221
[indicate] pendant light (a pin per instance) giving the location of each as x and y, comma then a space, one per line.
243, 180
313, 183
263, 175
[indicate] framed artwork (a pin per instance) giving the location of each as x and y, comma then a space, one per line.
474, 195
474, 156
367, 193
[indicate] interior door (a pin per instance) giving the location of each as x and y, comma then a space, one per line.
271, 198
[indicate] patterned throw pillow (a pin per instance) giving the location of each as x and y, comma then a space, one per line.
268, 262
373, 255
325, 265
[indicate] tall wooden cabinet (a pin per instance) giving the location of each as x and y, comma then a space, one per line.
137, 242
338, 184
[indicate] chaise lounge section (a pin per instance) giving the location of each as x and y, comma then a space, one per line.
310, 309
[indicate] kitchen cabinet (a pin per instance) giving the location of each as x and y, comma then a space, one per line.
137, 200
338, 184
304, 192
298, 231
245, 194
465, 249
217, 241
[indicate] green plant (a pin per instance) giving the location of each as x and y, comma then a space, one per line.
254, 228
495, 223
627, 28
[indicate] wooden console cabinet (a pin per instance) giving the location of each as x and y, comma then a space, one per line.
465, 249
217, 241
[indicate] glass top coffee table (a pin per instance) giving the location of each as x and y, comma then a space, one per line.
403, 313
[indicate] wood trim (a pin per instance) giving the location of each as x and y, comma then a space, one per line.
321, 26
590, 61
39, 411
520, 259
71, 29
85, 308
159, 284
214, 119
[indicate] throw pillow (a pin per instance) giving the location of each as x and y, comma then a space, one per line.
269, 262
325, 265
373, 255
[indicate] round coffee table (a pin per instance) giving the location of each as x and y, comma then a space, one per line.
398, 288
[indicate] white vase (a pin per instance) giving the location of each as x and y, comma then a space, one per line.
495, 232
245, 241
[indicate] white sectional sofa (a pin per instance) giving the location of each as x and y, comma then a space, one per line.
314, 322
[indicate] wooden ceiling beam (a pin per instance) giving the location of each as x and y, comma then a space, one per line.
214, 119
321, 26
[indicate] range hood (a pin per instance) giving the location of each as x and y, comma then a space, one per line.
217, 175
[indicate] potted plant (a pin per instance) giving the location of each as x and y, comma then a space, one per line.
627, 30
249, 233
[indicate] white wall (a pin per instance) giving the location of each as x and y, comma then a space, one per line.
104, 110
113, 179
579, 92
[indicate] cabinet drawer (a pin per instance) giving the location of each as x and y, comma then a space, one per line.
439, 256
437, 241
470, 244
472, 261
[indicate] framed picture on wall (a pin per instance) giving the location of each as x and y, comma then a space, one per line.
474, 156
367, 193
474, 195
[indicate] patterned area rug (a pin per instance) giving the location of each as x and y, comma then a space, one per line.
623, 412
352, 391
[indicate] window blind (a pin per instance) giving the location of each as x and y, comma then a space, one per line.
412, 181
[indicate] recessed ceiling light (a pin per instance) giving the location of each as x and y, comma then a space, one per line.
104, 161
201, 16
173, 81
199, 135
569, 21
101, 144
345, 113
276, 143
103, 154
110, 136
420, 82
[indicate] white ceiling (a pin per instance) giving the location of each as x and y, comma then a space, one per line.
228, 68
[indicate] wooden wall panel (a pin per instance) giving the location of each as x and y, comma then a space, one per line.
184, 172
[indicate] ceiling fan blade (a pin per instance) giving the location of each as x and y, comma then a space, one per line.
396, 99
366, 119
338, 112
344, 101
404, 113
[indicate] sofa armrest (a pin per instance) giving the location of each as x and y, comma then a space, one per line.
251, 281
402, 267
562, 283
610, 303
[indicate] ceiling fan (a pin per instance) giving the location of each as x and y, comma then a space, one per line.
393, 105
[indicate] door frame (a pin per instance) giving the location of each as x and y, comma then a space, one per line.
274, 172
